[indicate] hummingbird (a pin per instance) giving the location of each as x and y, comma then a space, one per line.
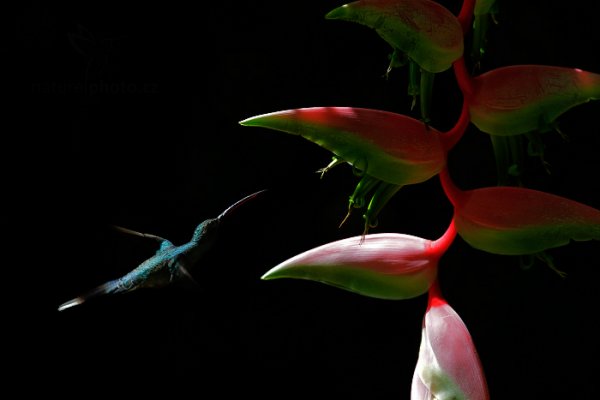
169, 264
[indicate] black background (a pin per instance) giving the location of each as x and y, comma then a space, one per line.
135, 123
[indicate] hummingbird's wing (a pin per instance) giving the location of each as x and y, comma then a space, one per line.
164, 243
179, 270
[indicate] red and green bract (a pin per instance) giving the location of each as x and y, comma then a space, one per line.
391, 147
524, 98
519, 221
424, 30
387, 265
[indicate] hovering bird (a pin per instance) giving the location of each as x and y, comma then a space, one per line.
170, 263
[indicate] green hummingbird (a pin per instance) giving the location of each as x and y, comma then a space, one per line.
170, 263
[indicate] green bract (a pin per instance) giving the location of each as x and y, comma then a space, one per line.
424, 30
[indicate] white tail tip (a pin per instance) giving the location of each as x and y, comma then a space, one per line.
71, 303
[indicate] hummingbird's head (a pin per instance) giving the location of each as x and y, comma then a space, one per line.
206, 230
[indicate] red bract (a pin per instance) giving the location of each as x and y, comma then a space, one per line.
387, 265
391, 147
519, 221
524, 98
448, 365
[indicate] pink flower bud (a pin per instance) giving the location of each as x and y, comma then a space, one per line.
448, 366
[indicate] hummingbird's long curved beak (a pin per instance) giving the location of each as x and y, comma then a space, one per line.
238, 203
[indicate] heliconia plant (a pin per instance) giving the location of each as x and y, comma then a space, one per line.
391, 150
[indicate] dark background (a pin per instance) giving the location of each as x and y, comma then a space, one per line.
130, 117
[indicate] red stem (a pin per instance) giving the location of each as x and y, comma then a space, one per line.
453, 193
465, 82
451, 137
465, 17
435, 295
442, 244
464, 79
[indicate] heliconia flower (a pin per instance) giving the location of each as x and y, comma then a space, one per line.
424, 30
519, 221
448, 366
524, 98
391, 150
386, 265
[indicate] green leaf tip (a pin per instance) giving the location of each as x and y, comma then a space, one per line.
337, 13
252, 121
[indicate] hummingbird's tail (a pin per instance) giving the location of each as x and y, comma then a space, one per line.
108, 287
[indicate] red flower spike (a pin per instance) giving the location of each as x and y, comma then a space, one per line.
426, 31
524, 98
448, 366
519, 221
386, 265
